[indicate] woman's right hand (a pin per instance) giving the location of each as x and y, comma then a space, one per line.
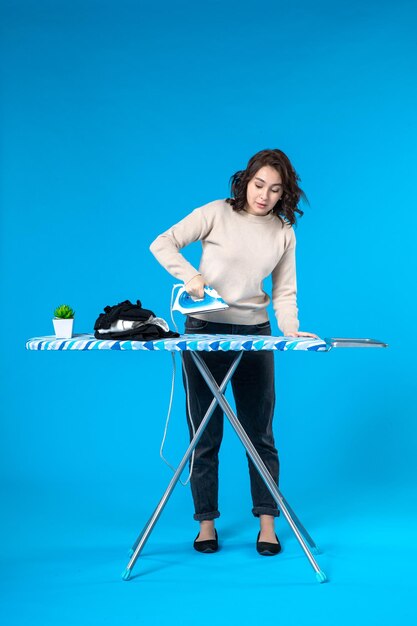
195, 287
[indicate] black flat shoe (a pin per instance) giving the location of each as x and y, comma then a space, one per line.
267, 549
208, 545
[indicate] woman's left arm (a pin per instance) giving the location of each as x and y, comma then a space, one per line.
284, 293
301, 334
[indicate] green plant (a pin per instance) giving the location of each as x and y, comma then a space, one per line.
64, 312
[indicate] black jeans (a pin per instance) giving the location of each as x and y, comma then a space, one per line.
253, 388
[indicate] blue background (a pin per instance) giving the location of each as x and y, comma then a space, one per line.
118, 119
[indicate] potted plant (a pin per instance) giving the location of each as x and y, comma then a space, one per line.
63, 321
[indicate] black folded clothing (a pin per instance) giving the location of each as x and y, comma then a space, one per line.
133, 313
122, 311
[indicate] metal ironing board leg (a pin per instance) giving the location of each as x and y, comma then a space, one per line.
313, 546
144, 535
259, 464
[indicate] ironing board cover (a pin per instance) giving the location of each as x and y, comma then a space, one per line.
208, 343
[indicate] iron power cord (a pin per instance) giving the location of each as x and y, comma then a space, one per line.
161, 451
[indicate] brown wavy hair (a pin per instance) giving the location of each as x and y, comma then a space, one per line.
286, 207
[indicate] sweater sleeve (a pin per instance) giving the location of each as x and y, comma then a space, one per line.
166, 246
284, 290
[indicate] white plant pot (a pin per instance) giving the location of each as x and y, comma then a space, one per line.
63, 328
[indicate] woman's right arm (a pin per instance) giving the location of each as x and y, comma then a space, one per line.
166, 249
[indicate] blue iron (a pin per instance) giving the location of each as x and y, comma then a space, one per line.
186, 305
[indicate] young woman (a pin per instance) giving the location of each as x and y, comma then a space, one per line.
245, 239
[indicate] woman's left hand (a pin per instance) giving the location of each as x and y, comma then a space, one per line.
301, 334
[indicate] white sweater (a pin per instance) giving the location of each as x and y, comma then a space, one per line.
239, 251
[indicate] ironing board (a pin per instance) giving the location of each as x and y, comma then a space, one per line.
212, 343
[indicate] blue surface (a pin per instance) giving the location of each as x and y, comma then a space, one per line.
118, 119
208, 343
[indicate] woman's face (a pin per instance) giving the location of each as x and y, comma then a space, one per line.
263, 191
